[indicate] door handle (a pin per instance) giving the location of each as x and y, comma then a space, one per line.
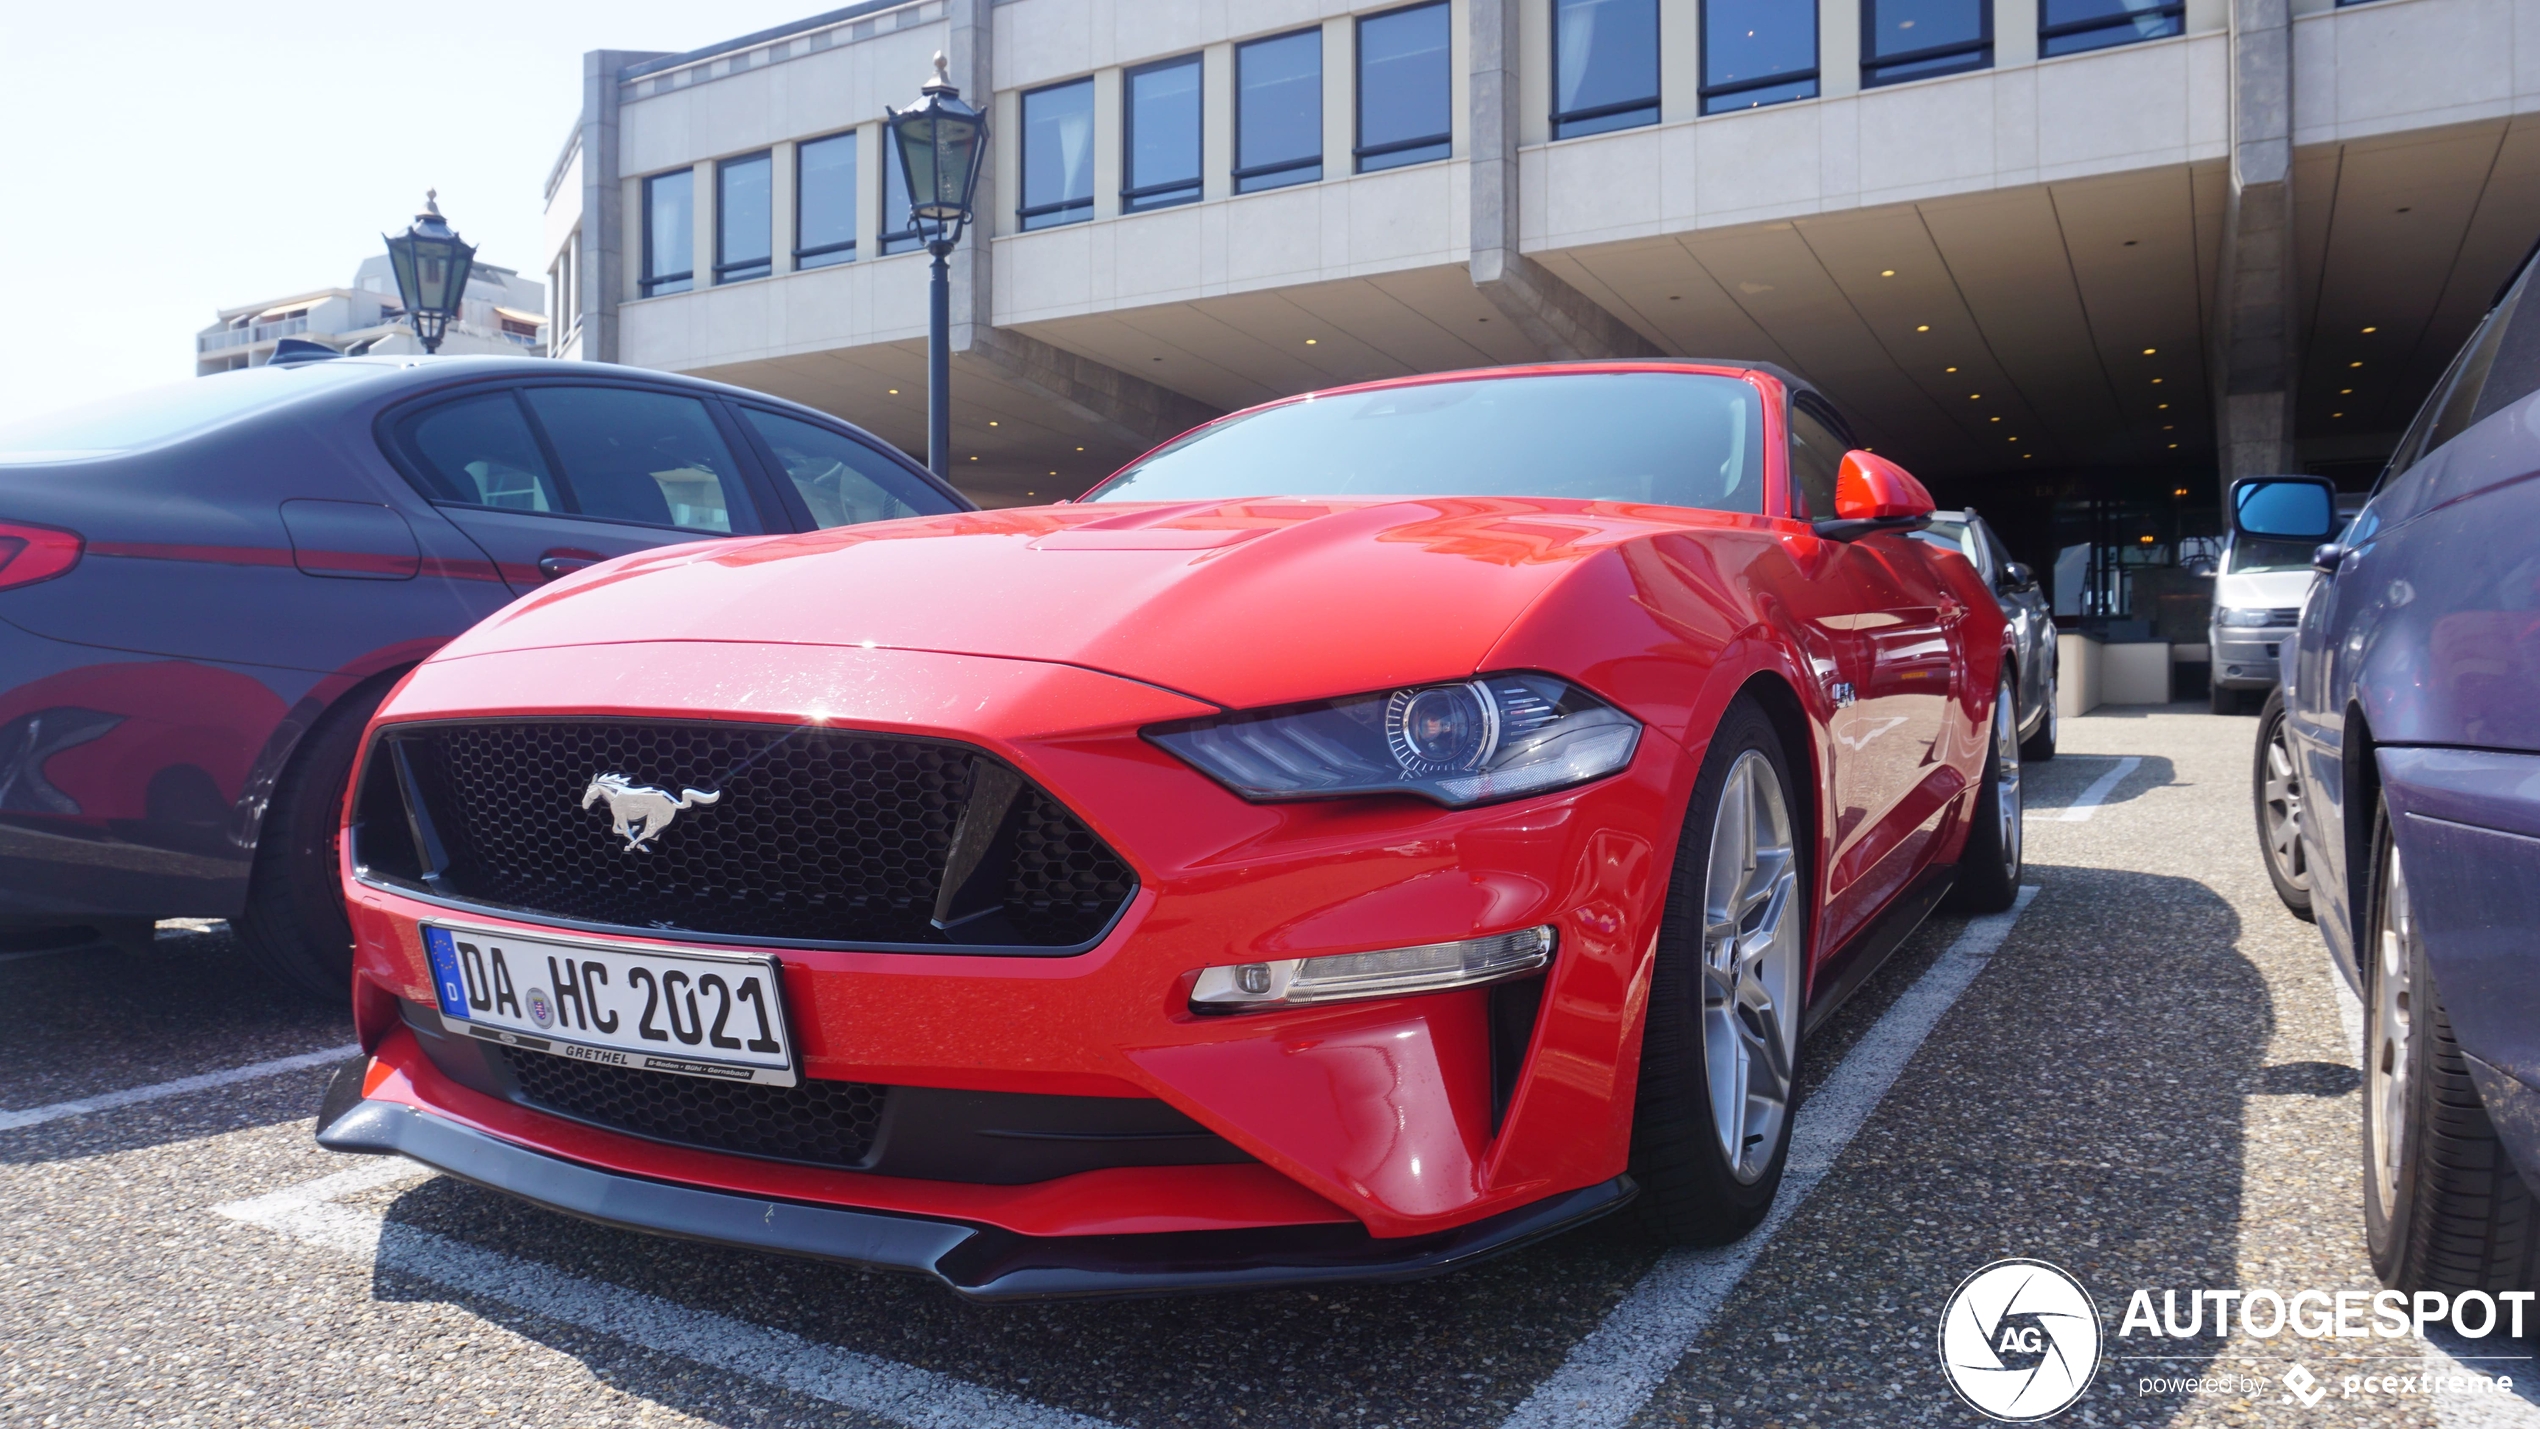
565, 560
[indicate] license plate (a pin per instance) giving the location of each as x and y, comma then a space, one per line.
696, 1014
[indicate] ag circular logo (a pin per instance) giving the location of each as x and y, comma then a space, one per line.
540, 1010
2019, 1340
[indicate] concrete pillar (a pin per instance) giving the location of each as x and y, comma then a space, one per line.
1558, 319
2255, 331
602, 256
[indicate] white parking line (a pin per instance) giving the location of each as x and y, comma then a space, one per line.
864, 1383
2081, 808
1612, 1372
108, 1101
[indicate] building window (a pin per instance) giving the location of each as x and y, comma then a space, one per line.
1406, 104
1917, 39
670, 233
2068, 27
1604, 65
564, 288
1058, 155
1279, 111
743, 237
824, 201
1159, 139
899, 226
1757, 52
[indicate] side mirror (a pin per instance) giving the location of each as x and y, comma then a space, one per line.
2284, 508
2017, 577
1873, 494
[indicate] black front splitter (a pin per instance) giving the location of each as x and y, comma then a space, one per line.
978, 1262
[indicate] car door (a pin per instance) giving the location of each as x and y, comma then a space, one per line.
551, 477
1880, 607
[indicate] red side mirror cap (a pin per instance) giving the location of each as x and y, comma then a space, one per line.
1869, 487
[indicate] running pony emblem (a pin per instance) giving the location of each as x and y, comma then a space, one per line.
638, 811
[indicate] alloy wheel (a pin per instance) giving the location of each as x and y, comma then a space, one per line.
2006, 784
2389, 1065
2280, 805
1751, 924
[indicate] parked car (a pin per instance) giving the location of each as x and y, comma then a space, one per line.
2259, 586
1287, 840
205, 590
2409, 722
2025, 606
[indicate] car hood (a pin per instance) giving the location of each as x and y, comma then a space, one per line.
2269, 590
1238, 603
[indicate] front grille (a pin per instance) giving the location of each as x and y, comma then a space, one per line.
824, 1123
817, 835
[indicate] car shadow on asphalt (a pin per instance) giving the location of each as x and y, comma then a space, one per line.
93, 1020
2049, 788
2082, 1103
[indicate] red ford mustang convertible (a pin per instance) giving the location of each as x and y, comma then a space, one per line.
1373, 831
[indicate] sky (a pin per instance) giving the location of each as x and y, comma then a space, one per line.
161, 161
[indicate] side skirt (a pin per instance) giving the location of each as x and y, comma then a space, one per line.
1870, 948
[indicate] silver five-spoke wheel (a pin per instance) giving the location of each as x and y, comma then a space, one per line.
1750, 966
2392, 1031
2280, 803
2006, 785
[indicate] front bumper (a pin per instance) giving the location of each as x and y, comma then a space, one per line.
977, 1262
2245, 659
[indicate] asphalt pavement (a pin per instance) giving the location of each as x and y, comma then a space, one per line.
2144, 1076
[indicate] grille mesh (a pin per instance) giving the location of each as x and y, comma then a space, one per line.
819, 835
824, 1123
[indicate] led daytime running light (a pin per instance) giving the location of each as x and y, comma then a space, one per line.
1393, 972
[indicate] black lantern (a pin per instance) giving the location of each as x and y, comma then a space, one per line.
432, 267
940, 141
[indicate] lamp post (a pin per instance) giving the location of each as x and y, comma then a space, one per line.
432, 267
940, 139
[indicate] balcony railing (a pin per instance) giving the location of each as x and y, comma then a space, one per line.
259, 332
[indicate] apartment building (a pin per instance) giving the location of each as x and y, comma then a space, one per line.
502, 312
2032, 246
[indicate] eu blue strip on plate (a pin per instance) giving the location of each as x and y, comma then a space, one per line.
445, 971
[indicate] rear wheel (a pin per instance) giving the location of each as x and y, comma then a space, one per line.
1719, 1059
2443, 1207
2276, 789
294, 927
1989, 865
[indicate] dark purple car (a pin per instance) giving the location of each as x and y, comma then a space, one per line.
2398, 790
206, 589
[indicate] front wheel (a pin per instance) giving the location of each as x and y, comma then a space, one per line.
1719, 1057
2040, 747
2276, 789
2443, 1207
294, 927
1989, 865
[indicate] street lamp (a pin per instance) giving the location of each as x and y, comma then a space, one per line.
940, 139
432, 267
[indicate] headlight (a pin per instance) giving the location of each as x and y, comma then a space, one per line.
1395, 972
1472, 742
2244, 618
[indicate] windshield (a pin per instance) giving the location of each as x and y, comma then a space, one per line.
1672, 438
155, 414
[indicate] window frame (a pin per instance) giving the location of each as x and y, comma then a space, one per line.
1360, 151
2174, 11
1981, 47
1594, 112
1705, 91
736, 272
1025, 213
648, 283
1146, 198
1240, 175
854, 139
762, 455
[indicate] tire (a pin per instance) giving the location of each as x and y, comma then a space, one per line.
2222, 698
2443, 1207
2040, 747
1989, 865
2275, 789
294, 929
1725, 999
